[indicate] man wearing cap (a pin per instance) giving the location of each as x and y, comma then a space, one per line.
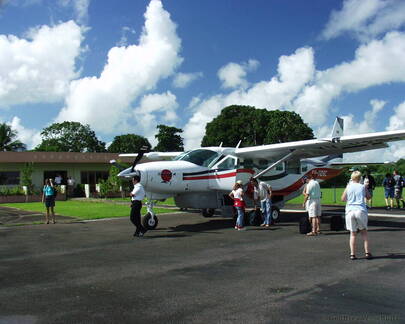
312, 202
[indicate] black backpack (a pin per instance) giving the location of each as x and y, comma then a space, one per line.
304, 225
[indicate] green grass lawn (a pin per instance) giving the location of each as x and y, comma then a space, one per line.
84, 210
328, 197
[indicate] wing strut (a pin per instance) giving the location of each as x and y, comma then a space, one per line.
274, 164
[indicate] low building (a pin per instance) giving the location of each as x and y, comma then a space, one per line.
84, 168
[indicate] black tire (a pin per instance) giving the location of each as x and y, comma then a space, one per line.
337, 223
275, 214
304, 225
207, 212
150, 222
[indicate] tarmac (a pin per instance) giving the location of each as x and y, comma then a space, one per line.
198, 270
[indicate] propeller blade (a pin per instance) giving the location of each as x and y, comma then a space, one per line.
139, 157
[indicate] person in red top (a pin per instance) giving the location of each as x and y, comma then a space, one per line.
239, 203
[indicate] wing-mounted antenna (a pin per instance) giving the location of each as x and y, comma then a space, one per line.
237, 145
139, 157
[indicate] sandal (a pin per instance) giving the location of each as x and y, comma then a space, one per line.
369, 256
311, 234
353, 257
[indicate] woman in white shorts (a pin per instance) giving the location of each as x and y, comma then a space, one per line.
356, 213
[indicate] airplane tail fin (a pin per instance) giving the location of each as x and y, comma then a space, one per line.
337, 130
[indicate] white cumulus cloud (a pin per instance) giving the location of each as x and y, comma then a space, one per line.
40, 67
233, 75
397, 121
104, 102
30, 137
375, 63
294, 72
182, 80
154, 109
80, 8
366, 19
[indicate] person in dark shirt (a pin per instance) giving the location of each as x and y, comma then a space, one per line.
389, 188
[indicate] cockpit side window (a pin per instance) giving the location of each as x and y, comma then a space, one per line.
200, 157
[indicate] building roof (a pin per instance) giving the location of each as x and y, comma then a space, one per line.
61, 157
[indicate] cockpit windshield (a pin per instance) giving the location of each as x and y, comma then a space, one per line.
200, 157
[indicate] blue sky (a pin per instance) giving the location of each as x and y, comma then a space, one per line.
125, 66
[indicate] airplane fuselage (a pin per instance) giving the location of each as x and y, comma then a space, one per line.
199, 183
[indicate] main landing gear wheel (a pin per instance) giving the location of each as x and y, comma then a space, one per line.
150, 221
275, 213
208, 212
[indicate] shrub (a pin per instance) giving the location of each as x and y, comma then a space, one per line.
12, 191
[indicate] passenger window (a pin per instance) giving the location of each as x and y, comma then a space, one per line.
227, 164
248, 164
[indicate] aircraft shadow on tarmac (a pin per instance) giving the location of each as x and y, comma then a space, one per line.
390, 256
206, 227
150, 237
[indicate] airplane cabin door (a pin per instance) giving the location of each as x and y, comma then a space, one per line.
224, 174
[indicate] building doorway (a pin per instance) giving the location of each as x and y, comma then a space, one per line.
53, 174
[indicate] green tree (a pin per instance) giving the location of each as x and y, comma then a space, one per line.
7, 139
129, 143
112, 184
255, 127
26, 177
70, 137
168, 139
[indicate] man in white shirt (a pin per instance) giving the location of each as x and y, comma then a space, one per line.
312, 202
137, 195
58, 180
262, 194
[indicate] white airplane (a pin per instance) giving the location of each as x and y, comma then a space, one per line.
202, 178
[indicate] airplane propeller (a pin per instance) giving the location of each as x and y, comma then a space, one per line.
141, 152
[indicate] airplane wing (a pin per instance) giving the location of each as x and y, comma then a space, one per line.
154, 155
348, 164
321, 147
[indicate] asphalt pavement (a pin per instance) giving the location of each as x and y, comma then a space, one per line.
199, 270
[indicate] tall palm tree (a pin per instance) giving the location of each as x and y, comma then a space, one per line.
7, 139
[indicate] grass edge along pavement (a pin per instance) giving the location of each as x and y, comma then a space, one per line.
329, 199
330, 196
83, 210
88, 210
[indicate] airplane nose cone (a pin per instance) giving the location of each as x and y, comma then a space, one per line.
143, 174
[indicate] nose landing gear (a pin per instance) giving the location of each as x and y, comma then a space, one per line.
150, 220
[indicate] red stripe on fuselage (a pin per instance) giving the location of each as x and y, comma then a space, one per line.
219, 176
322, 174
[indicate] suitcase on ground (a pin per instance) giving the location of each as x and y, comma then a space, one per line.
255, 217
336, 223
305, 225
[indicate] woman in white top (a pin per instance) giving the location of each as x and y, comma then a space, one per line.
356, 213
239, 203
